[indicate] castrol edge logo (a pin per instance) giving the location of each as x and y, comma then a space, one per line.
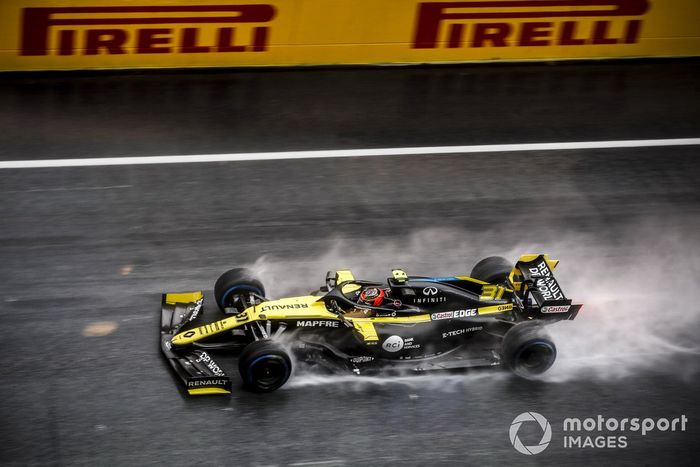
114, 30
527, 23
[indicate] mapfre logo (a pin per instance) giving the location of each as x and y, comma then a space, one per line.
527, 23
145, 29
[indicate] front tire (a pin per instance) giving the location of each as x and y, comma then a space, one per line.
527, 350
234, 289
264, 366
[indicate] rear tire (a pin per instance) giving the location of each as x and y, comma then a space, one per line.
527, 350
239, 282
264, 366
494, 270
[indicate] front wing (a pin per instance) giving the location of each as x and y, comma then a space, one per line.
197, 370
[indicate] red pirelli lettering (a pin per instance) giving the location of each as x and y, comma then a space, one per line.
435, 16
37, 23
111, 40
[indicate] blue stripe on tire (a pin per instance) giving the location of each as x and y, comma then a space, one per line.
249, 373
529, 344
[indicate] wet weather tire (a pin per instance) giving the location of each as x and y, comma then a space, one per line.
527, 350
494, 270
236, 283
264, 366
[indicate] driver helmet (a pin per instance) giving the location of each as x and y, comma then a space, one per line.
373, 296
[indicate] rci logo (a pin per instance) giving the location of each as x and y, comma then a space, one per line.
546, 433
393, 344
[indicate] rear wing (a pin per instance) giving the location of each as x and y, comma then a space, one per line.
196, 369
540, 293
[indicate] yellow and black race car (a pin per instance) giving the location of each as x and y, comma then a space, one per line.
493, 317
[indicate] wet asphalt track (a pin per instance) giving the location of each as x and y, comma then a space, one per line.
87, 245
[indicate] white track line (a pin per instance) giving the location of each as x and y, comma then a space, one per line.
268, 156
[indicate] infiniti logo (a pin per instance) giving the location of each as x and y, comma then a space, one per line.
546, 433
430, 291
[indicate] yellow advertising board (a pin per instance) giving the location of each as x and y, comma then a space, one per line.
93, 34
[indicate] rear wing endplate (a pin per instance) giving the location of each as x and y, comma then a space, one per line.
540, 290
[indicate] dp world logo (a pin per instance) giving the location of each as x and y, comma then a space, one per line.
546, 433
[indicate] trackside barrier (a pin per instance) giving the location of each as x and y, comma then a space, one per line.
93, 34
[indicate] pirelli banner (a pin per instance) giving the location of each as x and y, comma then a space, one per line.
90, 34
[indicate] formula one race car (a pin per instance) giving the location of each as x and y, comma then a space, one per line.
494, 317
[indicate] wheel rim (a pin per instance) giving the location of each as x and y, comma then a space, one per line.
268, 372
535, 358
228, 296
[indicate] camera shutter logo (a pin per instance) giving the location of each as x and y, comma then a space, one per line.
546, 433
